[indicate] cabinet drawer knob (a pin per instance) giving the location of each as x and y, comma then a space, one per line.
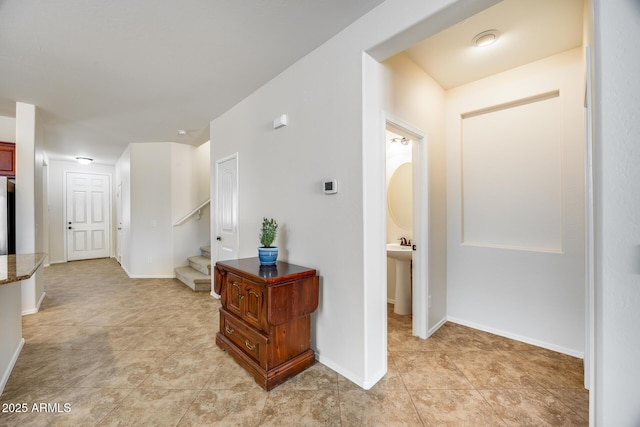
229, 330
240, 296
249, 346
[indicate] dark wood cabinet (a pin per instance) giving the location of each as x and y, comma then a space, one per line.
8, 159
265, 318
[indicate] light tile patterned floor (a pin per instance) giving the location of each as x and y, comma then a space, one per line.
136, 352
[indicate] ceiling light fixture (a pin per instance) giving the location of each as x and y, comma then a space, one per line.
403, 140
84, 160
486, 38
182, 132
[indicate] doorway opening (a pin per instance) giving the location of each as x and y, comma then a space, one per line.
407, 220
474, 294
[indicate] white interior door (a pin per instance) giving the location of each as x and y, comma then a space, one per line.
227, 207
421, 292
88, 216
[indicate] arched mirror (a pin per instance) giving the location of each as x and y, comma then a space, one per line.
400, 196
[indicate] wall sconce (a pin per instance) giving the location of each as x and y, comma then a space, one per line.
84, 160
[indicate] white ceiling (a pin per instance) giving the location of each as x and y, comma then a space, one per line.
106, 73
530, 30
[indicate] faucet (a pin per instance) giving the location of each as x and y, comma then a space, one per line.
404, 241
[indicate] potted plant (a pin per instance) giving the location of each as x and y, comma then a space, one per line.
266, 253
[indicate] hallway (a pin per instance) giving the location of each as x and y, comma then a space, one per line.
110, 350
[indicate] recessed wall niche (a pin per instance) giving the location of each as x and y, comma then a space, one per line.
512, 175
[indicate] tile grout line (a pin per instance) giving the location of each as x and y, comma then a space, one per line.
116, 406
493, 409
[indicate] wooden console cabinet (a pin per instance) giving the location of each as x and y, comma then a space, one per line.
265, 317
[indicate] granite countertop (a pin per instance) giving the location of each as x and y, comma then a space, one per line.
14, 268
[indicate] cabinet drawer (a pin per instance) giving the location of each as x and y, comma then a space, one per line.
250, 341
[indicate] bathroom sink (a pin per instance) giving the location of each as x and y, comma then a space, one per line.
396, 251
402, 257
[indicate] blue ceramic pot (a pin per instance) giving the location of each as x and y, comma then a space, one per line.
268, 256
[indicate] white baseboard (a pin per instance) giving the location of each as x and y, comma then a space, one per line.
144, 276
12, 363
356, 379
125, 270
436, 327
375, 378
159, 276
37, 307
521, 338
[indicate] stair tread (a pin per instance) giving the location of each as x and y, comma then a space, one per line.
192, 274
200, 260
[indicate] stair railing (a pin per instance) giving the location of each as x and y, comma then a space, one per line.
192, 213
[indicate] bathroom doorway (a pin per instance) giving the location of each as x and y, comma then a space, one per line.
407, 218
395, 84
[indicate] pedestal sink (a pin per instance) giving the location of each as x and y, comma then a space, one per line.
402, 256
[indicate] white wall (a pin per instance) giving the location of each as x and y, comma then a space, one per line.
162, 182
150, 245
280, 172
617, 157
7, 129
190, 188
29, 195
11, 341
40, 196
533, 289
44, 200
57, 221
202, 166
414, 97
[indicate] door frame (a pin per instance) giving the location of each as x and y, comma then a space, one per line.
590, 273
420, 168
64, 210
118, 197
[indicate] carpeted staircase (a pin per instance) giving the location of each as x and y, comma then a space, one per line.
197, 275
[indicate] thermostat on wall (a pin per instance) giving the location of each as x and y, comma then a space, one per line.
330, 187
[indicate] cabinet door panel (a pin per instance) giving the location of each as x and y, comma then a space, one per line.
253, 304
234, 294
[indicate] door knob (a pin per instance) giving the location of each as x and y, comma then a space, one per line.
70, 228
218, 238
